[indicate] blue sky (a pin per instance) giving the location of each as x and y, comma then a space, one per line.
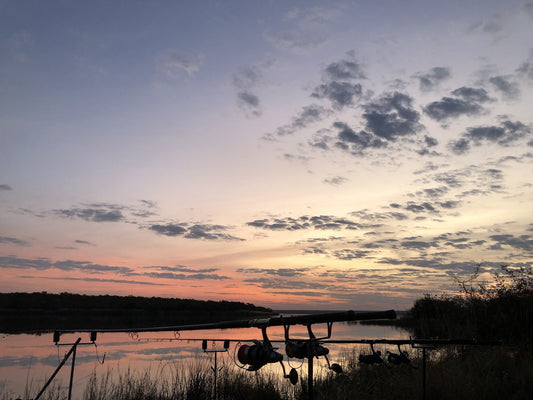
346, 154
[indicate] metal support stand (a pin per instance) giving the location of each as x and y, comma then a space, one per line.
310, 357
71, 351
215, 368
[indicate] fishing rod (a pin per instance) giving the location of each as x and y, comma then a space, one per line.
307, 319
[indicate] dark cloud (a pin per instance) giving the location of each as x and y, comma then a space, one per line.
344, 70
84, 242
24, 263
4, 187
379, 216
349, 254
283, 272
169, 229
420, 207
182, 268
504, 134
522, 242
416, 245
15, 241
341, 94
526, 68
249, 103
85, 266
320, 222
99, 212
335, 181
430, 80
209, 232
66, 265
338, 84
308, 115
185, 277
245, 82
392, 116
196, 231
68, 278
449, 107
474, 95
434, 192
356, 142
430, 141
509, 89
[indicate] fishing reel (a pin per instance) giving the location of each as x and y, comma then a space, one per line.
373, 358
259, 354
399, 358
310, 348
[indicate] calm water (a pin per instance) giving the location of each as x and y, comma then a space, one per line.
29, 360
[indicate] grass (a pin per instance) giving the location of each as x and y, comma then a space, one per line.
453, 373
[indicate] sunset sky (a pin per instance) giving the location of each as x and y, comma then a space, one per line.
290, 154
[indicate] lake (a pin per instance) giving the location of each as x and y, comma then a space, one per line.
27, 361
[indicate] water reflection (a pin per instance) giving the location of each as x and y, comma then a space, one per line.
26, 361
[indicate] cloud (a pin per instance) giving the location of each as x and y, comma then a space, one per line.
349, 254
184, 277
335, 181
522, 242
338, 86
196, 231
99, 212
169, 229
182, 268
4, 187
308, 115
209, 232
392, 116
68, 278
249, 103
431, 80
526, 68
356, 142
470, 94
341, 94
504, 134
84, 242
173, 64
307, 29
245, 81
15, 241
509, 89
449, 107
283, 272
320, 222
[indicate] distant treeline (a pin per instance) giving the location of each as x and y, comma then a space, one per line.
45, 311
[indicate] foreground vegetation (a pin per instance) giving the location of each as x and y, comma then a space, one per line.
20, 312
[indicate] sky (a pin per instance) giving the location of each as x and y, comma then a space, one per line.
290, 154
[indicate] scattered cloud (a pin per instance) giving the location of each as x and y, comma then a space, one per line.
335, 181
11, 240
4, 187
173, 65
320, 222
430, 80
392, 116
245, 81
195, 231
504, 134
506, 86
